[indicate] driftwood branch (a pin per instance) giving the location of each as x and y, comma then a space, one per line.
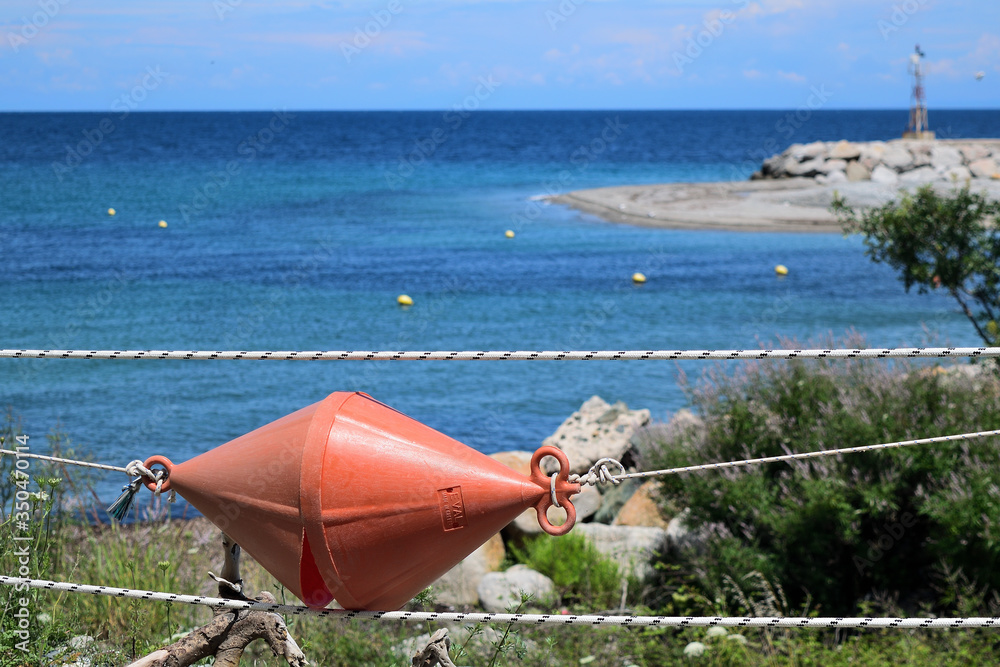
227, 635
436, 652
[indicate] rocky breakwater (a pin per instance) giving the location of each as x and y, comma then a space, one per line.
896, 162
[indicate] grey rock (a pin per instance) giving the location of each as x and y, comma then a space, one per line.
973, 152
833, 165
807, 168
884, 175
957, 174
920, 175
871, 154
460, 585
835, 177
809, 151
633, 548
857, 172
597, 430
614, 497
845, 150
896, 157
943, 157
499, 591
984, 167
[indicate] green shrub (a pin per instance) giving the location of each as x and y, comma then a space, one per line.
575, 566
840, 530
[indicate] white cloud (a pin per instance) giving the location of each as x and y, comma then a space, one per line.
794, 77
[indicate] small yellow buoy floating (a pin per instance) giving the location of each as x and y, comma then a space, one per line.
509, 233
404, 300
111, 211
163, 223
781, 270
638, 278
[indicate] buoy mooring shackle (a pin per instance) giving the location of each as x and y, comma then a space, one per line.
349, 499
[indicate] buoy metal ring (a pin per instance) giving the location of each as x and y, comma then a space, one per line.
163, 462
558, 490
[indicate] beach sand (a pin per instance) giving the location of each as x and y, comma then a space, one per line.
786, 205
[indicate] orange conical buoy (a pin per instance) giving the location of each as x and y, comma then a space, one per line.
348, 499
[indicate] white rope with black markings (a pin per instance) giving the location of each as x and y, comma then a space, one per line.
509, 355
600, 472
75, 462
523, 619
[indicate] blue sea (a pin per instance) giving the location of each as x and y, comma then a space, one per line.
294, 230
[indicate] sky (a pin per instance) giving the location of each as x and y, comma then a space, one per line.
96, 55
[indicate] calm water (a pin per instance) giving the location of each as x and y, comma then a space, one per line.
297, 231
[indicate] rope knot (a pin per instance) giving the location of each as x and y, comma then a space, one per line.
599, 473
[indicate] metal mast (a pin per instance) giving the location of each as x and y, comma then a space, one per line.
918, 128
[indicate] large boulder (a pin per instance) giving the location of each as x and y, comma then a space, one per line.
807, 168
597, 430
845, 150
833, 165
957, 174
984, 167
460, 585
500, 591
896, 157
857, 172
633, 548
882, 174
920, 175
944, 156
642, 508
973, 152
808, 151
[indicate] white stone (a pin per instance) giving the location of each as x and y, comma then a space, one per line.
957, 174
833, 165
896, 157
633, 548
920, 175
943, 157
973, 152
857, 172
500, 591
845, 150
807, 168
460, 585
597, 430
884, 175
984, 168
810, 151
835, 177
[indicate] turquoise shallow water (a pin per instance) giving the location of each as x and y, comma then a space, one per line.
304, 240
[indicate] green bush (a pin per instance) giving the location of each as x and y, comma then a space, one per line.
839, 531
575, 566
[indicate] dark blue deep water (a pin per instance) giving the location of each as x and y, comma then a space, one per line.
298, 231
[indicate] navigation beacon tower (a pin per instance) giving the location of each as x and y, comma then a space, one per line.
918, 128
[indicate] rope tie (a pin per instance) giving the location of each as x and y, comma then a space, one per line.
599, 473
119, 509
